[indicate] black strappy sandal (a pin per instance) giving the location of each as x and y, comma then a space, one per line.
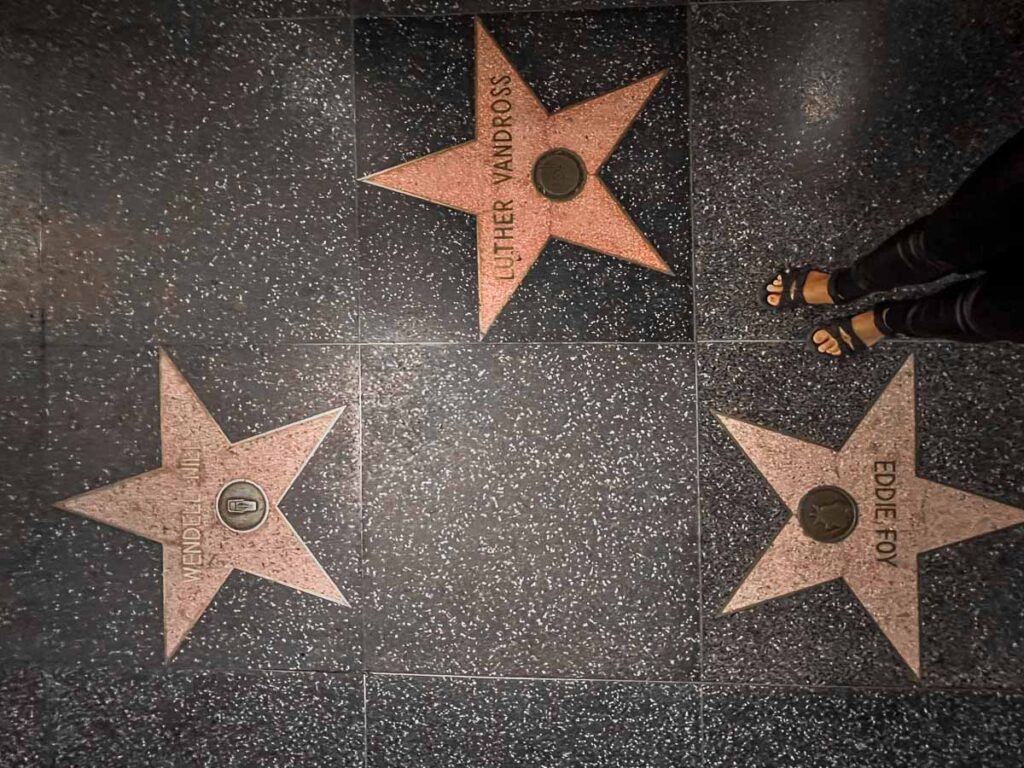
850, 343
793, 281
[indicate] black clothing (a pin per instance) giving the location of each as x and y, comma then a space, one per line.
979, 229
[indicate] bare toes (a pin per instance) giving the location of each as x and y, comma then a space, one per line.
773, 299
826, 343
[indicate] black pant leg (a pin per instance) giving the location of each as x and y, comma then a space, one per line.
980, 227
901, 260
983, 232
987, 308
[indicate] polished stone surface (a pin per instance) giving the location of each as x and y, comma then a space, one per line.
973, 602
93, 593
22, 427
20, 182
529, 510
530, 176
182, 18
538, 533
200, 190
880, 515
22, 703
214, 505
436, 7
796, 728
414, 97
820, 128
22, 423
783, 387
172, 718
433, 721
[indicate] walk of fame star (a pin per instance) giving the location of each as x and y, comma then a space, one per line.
530, 176
213, 505
900, 515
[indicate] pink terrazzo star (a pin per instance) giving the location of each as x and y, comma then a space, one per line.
900, 515
177, 506
493, 177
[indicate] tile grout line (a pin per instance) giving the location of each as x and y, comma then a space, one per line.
566, 7
40, 262
38, 155
855, 688
220, 344
362, 552
355, 176
366, 730
742, 2
689, 20
46, 707
561, 8
359, 389
912, 689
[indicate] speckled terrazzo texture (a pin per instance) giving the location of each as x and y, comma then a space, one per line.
183, 17
431, 7
21, 421
184, 172
972, 598
20, 286
21, 716
787, 728
200, 190
821, 128
92, 593
414, 97
970, 592
171, 718
489, 723
418, 281
780, 387
22, 427
529, 510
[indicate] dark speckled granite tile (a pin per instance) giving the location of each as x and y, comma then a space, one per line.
69, 601
414, 80
432, 721
21, 437
21, 421
182, 18
178, 719
789, 728
530, 510
971, 605
431, 7
20, 187
417, 265
822, 127
22, 740
94, 593
819, 635
200, 190
972, 596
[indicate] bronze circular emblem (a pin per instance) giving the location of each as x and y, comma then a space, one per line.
827, 514
242, 506
559, 174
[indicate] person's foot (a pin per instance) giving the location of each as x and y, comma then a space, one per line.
815, 289
837, 341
